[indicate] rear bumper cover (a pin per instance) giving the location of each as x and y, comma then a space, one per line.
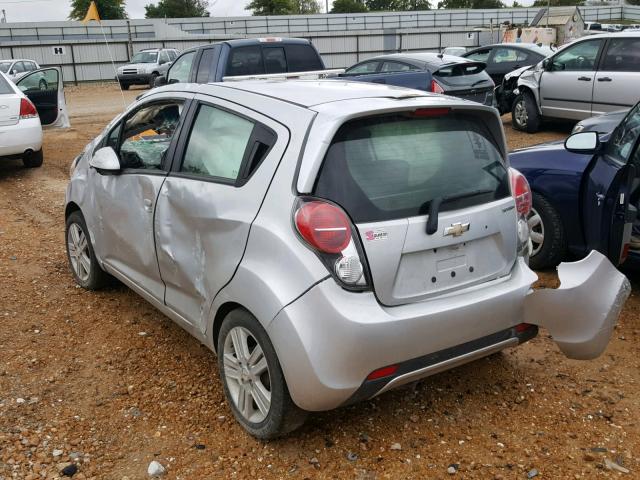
329, 340
17, 139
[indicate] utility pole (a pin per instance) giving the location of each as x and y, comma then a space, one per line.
4, 16
326, 6
130, 42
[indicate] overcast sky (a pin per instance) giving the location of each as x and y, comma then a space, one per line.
51, 10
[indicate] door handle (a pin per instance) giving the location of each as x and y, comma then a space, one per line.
147, 204
605, 79
584, 79
600, 198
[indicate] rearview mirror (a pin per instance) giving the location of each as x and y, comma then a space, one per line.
160, 81
105, 160
583, 142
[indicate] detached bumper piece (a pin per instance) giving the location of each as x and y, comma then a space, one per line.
417, 368
581, 313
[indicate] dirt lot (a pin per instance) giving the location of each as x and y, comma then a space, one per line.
80, 381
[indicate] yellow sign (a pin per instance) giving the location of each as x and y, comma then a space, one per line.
92, 13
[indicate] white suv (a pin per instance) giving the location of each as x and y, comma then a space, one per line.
145, 66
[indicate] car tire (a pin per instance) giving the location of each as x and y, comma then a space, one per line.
524, 113
546, 226
152, 80
241, 331
81, 256
33, 159
125, 86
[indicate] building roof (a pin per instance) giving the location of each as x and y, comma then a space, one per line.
557, 16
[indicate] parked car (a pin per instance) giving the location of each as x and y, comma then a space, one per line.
36, 100
244, 57
17, 68
594, 74
584, 198
502, 58
329, 240
145, 66
455, 51
445, 74
603, 123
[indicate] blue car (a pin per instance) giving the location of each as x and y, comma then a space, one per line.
586, 194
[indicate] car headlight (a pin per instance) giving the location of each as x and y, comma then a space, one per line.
578, 128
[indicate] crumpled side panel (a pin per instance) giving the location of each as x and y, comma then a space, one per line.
581, 313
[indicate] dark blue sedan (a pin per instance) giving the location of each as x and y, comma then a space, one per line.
586, 194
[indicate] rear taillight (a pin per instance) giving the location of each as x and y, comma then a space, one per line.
383, 372
327, 229
436, 88
521, 192
27, 109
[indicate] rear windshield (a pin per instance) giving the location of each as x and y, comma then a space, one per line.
5, 88
389, 167
460, 69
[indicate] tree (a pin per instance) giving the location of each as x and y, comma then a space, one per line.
557, 3
108, 9
449, 4
348, 6
306, 7
177, 9
272, 7
397, 5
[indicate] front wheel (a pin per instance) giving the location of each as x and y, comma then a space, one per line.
524, 113
547, 234
125, 86
152, 80
252, 378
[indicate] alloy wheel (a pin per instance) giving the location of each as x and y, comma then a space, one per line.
246, 374
536, 229
520, 112
79, 252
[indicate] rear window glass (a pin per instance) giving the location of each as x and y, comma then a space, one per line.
5, 88
460, 69
387, 167
302, 58
245, 61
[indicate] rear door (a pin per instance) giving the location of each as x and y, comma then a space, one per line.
618, 78
566, 87
393, 173
45, 89
220, 175
609, 184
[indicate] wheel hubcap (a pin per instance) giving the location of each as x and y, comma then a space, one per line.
536, 228
521, 113
79, 252
246, 374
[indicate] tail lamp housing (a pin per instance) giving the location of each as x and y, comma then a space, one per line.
436, 87
523, 197
328, 231
27, 109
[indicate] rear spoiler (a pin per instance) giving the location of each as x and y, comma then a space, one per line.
458, 69
312, 75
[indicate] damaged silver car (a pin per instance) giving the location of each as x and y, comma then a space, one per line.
330, 240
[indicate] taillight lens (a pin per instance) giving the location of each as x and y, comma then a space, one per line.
436, 88
521, 192
27, 109
327, 229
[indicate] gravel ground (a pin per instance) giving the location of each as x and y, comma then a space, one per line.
102, 382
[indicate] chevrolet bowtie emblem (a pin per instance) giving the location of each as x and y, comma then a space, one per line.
456, 229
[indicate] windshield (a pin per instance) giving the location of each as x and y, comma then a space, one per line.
393, 166
4, 66
145, 57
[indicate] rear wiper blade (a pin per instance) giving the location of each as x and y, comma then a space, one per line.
434, 207
479, 81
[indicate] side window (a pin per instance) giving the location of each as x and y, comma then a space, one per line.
480, 55
45, 80
147, 135
625, 136
396, 67
204, 67
579, 57
172, 55
366, 67
623, 55
245, 61
18, 67
302, 58
113, 138
274, 61
217, 144
510, 55
180, 70
164, 57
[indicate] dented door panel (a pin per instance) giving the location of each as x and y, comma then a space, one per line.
581, 314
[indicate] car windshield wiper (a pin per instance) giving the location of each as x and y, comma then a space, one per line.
436, 203
479, 81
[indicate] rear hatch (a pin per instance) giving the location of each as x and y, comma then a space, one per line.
389, 172
9, 104
466, 80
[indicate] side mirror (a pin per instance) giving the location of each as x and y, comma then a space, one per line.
583, 142
546, 64
160, 81
105, 160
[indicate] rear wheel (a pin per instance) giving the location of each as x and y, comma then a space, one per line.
152, 80
524, 113
33, 159
547, 234
84, 264
253, 380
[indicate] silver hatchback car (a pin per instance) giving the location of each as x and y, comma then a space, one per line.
329, 240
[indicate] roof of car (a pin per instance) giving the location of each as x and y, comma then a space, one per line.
307, 93
623, 33
242, 42
18, 60
431, 58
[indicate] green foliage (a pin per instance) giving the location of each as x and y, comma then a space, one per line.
397, 5
449, 4
557, 3
177, 9
348, 6
108, 9
306, 7
272, 7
